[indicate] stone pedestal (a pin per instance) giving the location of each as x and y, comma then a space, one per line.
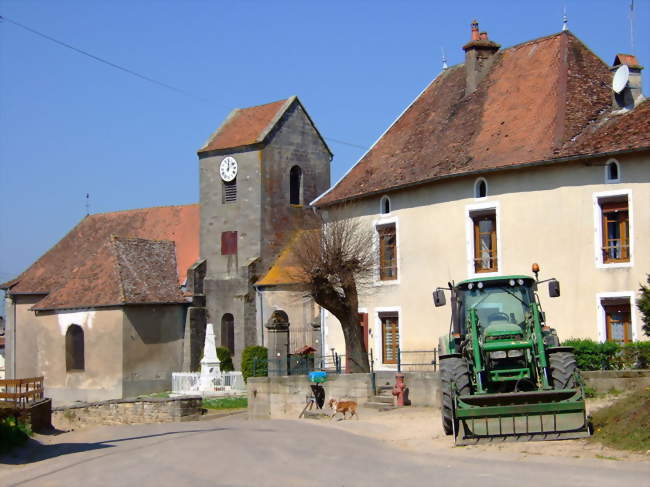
210, 365
278, 346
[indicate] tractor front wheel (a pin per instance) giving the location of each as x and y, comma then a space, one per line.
453, 371
563, 370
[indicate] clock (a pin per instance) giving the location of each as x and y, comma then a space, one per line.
228, 169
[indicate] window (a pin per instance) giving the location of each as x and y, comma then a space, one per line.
384, 205
228, 332
228, 243
480, 188
615, 230
74, 348
387, 252
618, 320
295, 186
389, 337
229, 191
612, 171
485, 241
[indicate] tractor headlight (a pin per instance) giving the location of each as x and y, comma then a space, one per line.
515, 353
497, 355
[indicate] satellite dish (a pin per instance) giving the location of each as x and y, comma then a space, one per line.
620, 78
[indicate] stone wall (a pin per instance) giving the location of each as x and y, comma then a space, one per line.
284, 397
622, 380
127, 411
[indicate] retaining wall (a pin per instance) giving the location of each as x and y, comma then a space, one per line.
128, 411
622, 380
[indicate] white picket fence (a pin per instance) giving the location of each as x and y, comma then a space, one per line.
189, 383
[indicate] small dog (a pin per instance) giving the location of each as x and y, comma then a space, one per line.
343, 407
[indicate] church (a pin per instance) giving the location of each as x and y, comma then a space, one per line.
122, 301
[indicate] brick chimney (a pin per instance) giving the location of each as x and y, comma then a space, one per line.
631, 95
479, 56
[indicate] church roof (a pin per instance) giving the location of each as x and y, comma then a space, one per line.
125, 257
545, 100
252, 125
284, 270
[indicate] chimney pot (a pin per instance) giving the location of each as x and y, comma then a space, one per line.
475, 34
484, 36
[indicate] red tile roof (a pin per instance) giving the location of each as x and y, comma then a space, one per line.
246, 126
134, 256
534, 105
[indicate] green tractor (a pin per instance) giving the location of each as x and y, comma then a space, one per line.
504, 374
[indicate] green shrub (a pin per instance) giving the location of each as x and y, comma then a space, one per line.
12, 433
223, 354
254, 362
634, 356
643, 303
591, 355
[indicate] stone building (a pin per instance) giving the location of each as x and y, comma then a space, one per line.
258, 173
101, 315
519, 155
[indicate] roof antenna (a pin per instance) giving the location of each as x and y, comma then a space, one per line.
565, 21
632, 25
87, 204
444, 59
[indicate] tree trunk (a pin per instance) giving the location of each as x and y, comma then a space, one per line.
355, 350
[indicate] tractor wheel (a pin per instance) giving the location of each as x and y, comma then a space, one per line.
563, 367
453, 370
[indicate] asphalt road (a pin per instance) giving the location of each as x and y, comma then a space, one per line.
232, 451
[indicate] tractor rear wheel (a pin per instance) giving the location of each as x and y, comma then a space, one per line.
453, 370
563, 368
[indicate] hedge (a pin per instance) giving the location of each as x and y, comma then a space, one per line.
591, 355
254, 362
13, 432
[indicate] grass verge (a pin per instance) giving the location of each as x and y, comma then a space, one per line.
626, 423
226, 403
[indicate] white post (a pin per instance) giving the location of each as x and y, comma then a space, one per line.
210, 365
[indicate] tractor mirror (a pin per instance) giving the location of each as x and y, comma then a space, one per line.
554, 288
439, 297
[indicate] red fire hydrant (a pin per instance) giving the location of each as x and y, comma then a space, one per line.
399, 389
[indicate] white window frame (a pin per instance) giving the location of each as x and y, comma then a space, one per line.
381, 205
469, 238
375, 273
598, 228
476, 182
377, 337
618, 171
601, 319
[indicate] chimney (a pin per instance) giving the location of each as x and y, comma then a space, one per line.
631, 95
479, 56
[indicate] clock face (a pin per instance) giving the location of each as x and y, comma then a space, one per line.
228, 169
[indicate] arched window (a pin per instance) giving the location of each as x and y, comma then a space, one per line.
480, 188
228, 332
612, 171
74, 348
295, 186
384, 205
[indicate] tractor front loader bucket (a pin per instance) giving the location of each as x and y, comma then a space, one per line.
521, 416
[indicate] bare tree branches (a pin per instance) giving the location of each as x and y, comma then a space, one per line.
335, 261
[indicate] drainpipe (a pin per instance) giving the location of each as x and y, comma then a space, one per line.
10, 309
261, 301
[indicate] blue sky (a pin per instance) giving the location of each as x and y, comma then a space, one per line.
70, 125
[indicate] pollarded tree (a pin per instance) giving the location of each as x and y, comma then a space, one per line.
643, 303
336, 261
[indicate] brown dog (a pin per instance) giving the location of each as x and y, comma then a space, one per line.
343, 407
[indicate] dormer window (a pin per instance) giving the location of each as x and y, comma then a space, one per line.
612, 171
480, 188
384, 205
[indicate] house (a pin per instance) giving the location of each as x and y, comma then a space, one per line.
101, 315
258, 173
519, 155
